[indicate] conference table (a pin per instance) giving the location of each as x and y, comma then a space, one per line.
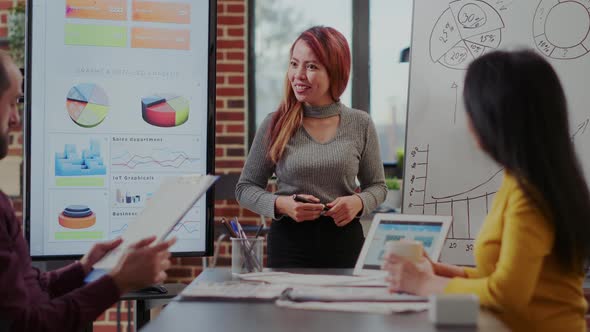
249, 316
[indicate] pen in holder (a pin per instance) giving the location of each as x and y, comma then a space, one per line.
246, 254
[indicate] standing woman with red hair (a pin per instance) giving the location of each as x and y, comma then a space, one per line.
317, 147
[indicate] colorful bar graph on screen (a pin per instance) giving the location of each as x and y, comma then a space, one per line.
89, 161
95, 35
80, 169
162, 12
80, 166
115, 10
160, 38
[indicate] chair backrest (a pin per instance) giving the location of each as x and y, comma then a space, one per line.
225, 189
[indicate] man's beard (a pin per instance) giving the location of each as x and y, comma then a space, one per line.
4, 145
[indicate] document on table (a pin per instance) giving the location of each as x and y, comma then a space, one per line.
314, 279
233, 290
264, 291
348, 294
368, 307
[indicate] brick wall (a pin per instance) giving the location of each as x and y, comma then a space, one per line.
231, 132
231, 127
5, 6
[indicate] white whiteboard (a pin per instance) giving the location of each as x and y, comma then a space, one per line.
445, 174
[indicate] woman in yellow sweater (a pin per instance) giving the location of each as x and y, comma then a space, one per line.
533, 246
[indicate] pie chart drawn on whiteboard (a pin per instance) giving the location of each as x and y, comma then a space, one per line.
165, 110
87, 105
465, 31
562, 28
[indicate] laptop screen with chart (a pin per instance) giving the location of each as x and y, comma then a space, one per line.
431, 231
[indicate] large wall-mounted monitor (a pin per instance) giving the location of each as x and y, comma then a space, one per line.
119, 94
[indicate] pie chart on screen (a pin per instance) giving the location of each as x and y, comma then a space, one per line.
87, 104
164, 110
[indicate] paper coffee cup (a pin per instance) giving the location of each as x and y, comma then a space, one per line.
409, 249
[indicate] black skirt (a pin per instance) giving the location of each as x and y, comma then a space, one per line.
314, 244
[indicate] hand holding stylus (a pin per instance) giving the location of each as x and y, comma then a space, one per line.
300, 207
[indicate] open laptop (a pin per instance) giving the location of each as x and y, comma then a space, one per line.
430, 230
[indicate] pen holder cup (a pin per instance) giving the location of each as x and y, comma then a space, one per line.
246, 254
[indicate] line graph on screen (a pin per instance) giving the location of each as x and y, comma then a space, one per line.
162, 155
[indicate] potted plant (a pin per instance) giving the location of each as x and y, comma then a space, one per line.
393, 200
399, 156
16, 34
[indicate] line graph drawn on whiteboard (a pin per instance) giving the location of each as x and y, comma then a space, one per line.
468, 206
580, 129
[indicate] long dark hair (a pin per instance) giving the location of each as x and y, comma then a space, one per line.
518, 110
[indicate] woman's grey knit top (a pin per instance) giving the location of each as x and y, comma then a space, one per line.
326, 170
